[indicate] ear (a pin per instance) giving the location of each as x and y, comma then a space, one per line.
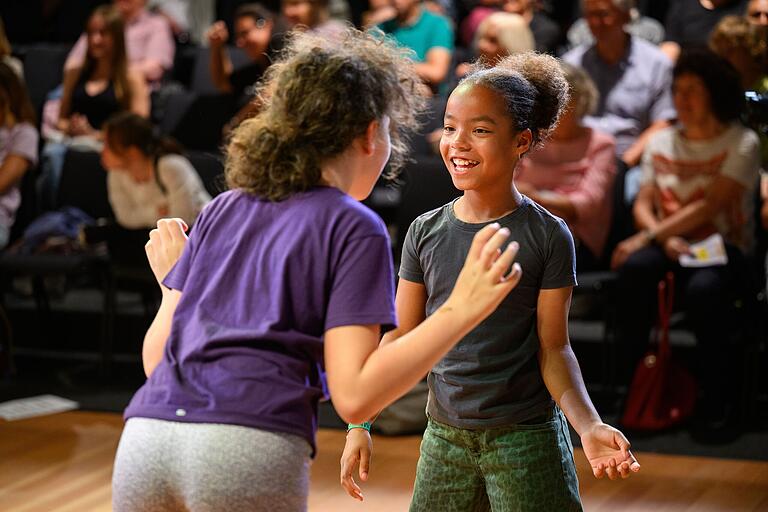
368, 139
524, 142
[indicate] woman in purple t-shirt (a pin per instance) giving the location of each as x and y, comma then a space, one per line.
285, 279
18, 145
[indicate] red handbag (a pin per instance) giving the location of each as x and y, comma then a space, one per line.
662, 393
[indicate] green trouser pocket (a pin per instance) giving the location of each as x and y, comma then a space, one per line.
525, 467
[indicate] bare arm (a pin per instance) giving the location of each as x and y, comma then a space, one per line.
410, 304
435, 68
606, 448
164, 248
139, 94
634, 152
557, 203
11, 171
722, 192
559, 367
70, 79
363, 380
159, 330
219, 63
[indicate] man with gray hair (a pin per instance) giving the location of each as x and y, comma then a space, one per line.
633, 76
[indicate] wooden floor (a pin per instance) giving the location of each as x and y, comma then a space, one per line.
63, 463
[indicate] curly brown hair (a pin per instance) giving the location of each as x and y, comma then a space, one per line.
316, 99
533, 87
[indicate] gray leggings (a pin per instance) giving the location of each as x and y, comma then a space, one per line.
174, 466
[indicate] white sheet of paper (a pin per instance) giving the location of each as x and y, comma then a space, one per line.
709, 252
35, 406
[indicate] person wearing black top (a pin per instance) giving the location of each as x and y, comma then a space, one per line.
253, 31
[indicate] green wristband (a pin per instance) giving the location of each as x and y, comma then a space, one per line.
364, 425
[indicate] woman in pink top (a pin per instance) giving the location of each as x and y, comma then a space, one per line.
572, 173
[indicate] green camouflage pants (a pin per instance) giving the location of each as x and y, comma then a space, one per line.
525, 467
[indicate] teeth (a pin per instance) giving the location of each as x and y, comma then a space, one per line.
462, 162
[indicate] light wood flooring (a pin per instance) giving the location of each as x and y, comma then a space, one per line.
63, 463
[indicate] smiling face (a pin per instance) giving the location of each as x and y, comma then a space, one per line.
479, 145
253, 35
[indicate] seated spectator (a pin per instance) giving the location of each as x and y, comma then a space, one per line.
18, 145
6, 57
546, 33
188, 20
104, 84
148, 177
253, 31
91, 93
757, 12
499, 35
699, 179
311, 15
640, 26
572, 174
745, 47
429, 35
632, 77
689, 22
148, 38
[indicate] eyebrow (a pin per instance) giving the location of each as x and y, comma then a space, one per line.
475, 119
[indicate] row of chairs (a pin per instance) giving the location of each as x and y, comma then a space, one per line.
83, 185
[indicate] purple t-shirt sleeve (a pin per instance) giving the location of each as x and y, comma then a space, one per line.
362, 288
178, 275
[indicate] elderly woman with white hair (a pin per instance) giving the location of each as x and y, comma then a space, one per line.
499, 35
572, 174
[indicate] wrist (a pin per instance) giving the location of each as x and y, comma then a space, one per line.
366, 425
650, 236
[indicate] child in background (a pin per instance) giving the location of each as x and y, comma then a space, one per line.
148, 177
18, 145
495, 439
285, 279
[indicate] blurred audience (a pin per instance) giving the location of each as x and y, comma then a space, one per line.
148, 177
6, 57
699, 179
745, 46
253, 31
689, 22
188, 19
104, 83
572, 174
148, 39
18, 145
429, 35
499, 35
546, 32
757, 12
311, 15
640, 26
633, 77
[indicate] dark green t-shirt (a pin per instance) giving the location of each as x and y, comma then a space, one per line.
491, 378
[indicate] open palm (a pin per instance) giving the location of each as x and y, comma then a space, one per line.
608, 452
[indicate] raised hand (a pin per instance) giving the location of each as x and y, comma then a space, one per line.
357, 450
217, 34
165, 245
608, 452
